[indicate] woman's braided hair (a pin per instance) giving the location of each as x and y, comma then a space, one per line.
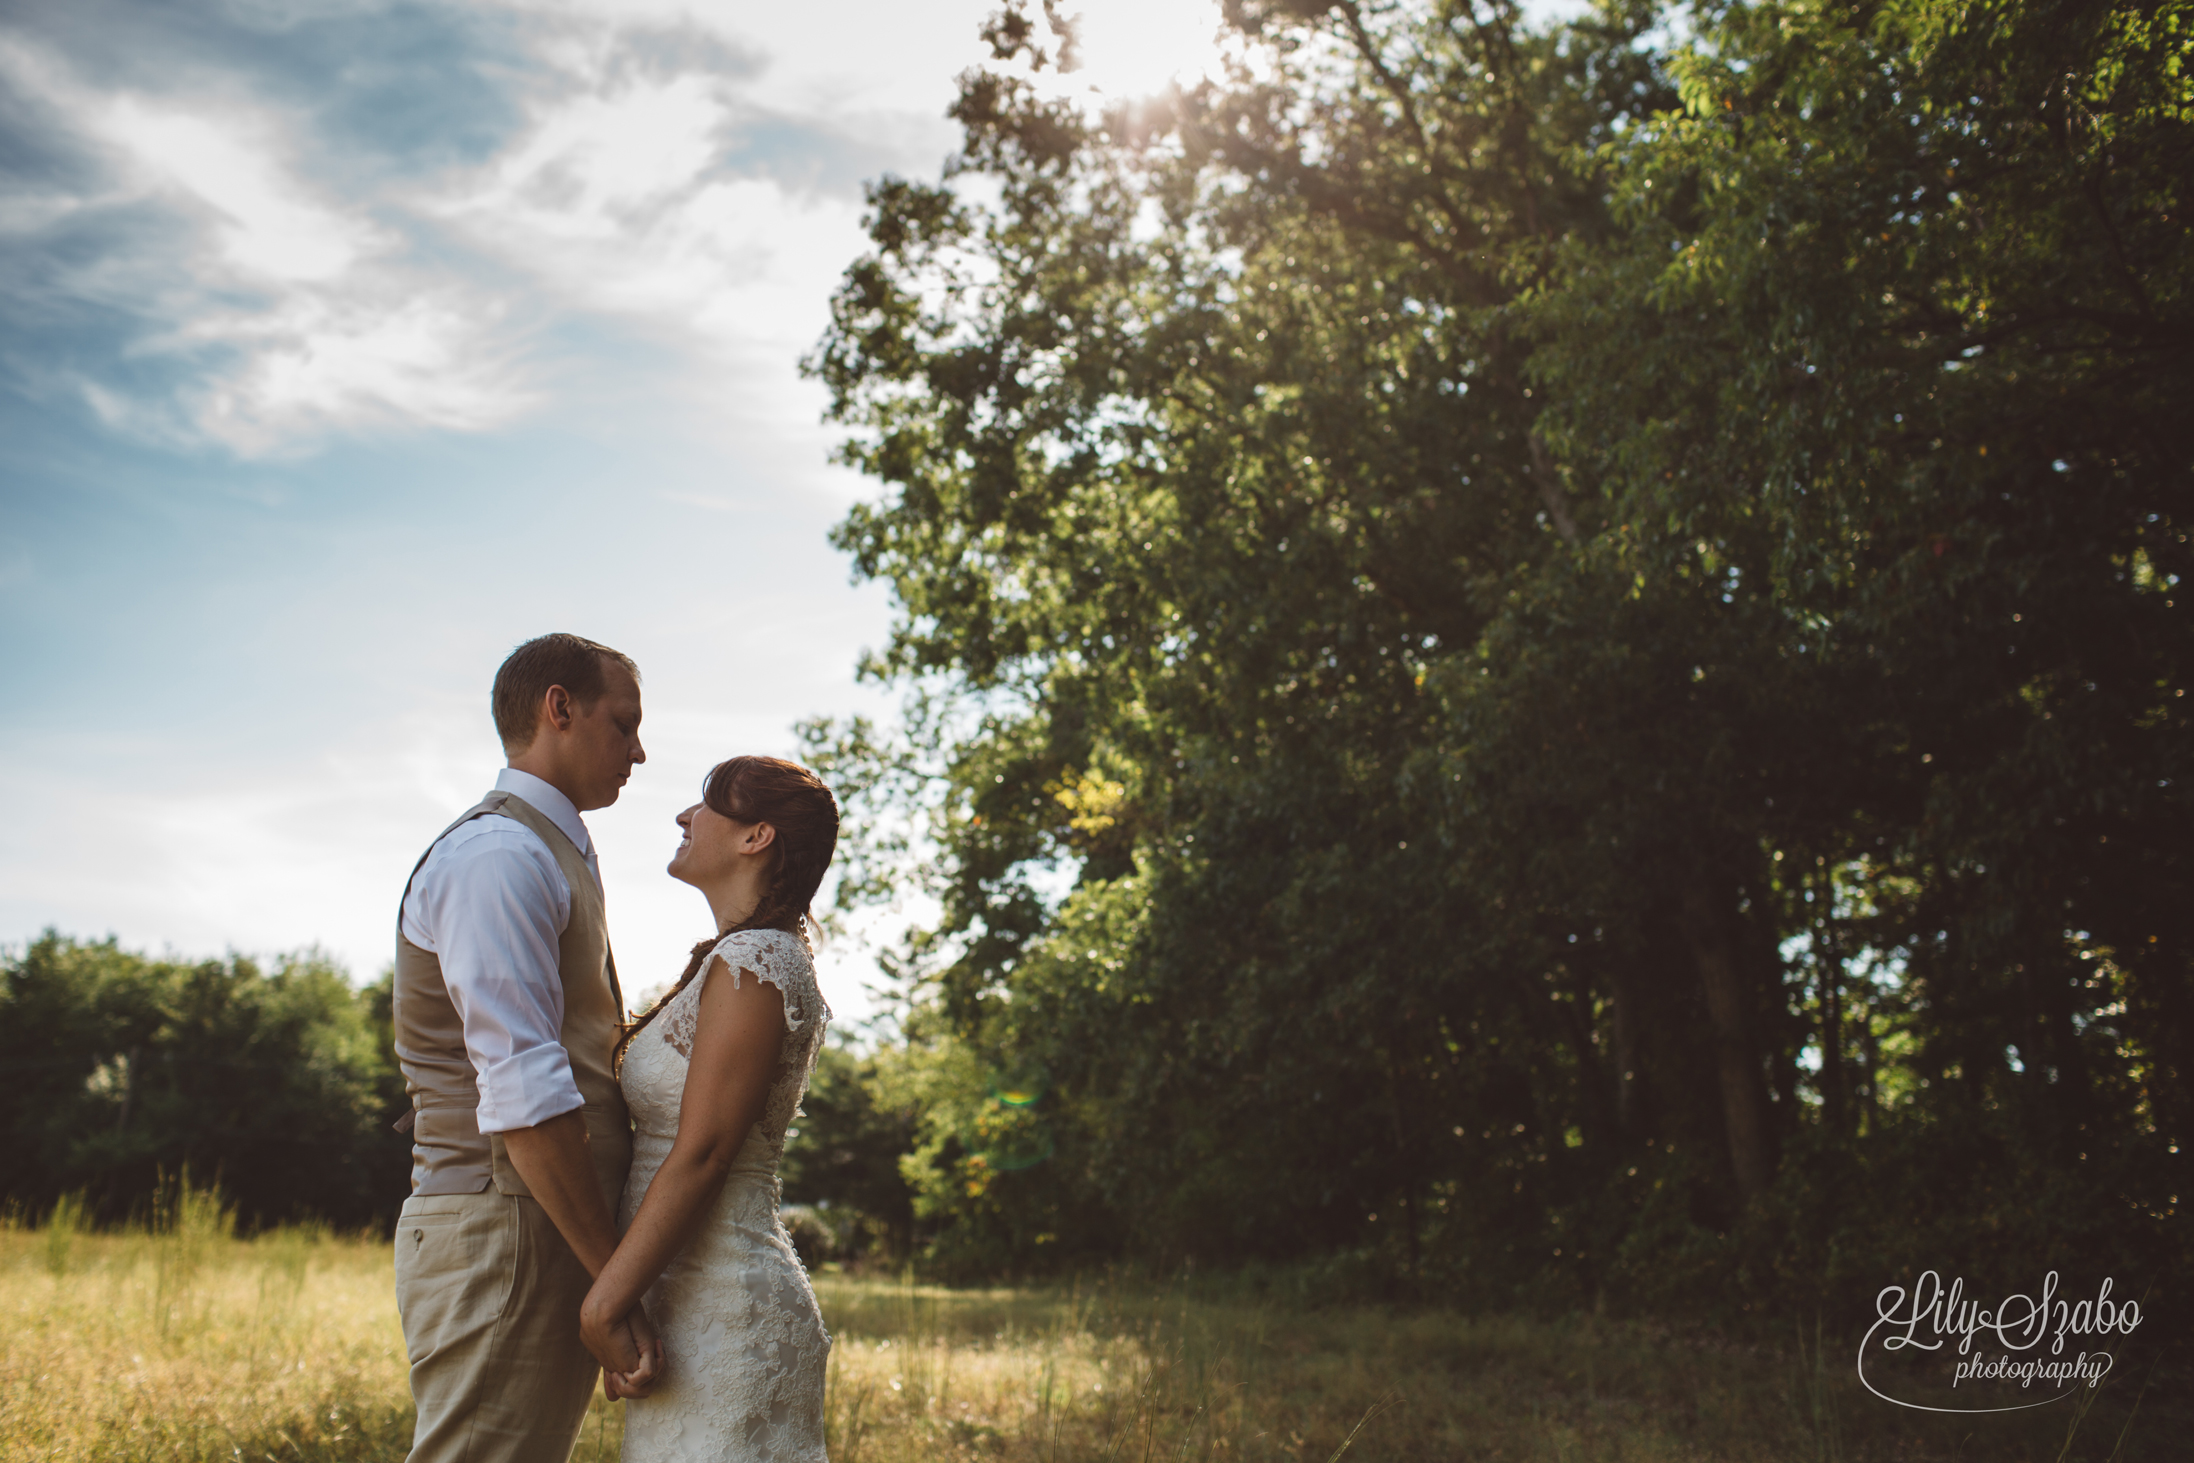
801, 807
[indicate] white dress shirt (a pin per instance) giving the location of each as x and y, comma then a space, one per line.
491, 903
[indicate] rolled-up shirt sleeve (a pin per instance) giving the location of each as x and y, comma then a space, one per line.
493, 907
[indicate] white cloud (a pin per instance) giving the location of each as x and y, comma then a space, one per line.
283, 318
28, 213
283, 309
894, 62
323, 365
598, 161
279, 376
614, 202
270, 226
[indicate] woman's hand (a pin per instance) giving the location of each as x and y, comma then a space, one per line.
630, 1352
650, 1346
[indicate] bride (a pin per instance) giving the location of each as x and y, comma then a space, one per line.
713, 1074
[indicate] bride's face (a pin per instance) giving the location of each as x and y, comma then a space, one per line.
711, 847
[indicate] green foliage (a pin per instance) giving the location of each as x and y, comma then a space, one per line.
1549, 656
853, 1128
127, 1072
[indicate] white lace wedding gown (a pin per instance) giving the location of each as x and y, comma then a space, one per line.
742, 1335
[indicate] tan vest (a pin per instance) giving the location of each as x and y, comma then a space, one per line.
450, 1155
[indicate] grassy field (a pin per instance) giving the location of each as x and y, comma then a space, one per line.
183, 1343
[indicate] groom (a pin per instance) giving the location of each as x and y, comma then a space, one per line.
506, 1013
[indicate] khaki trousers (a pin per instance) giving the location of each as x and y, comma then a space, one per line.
490, 1292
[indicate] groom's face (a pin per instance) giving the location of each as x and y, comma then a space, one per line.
604, 741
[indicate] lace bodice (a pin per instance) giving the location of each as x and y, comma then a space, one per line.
745, 1344
781, 960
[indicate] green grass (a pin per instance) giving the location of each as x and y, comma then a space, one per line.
178, 1341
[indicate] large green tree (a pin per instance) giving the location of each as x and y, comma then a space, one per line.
1511, 627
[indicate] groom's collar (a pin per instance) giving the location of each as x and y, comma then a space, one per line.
550, 803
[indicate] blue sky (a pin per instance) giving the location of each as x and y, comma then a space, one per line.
344, 344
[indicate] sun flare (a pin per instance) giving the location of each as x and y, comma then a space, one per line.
1133, 48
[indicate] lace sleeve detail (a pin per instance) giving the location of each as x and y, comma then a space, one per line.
773, 956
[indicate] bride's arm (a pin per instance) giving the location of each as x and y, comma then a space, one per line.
740, 1032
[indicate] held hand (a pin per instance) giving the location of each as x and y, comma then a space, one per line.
609, 1339
630, 1353
641, 1381
618, 1386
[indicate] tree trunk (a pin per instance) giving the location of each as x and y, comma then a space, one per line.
1736, 1053
1834, 1104
129, 1086
1870, 1047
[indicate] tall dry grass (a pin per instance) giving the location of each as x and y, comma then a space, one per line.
1132, 1374
178, 1341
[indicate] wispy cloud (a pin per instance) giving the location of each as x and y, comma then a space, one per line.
213, 260
266, 224
199, 289
646, 190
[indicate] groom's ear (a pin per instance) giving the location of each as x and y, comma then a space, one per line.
557, 710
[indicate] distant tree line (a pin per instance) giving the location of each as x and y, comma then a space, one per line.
1544, 661
277, 1084
118, 1071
